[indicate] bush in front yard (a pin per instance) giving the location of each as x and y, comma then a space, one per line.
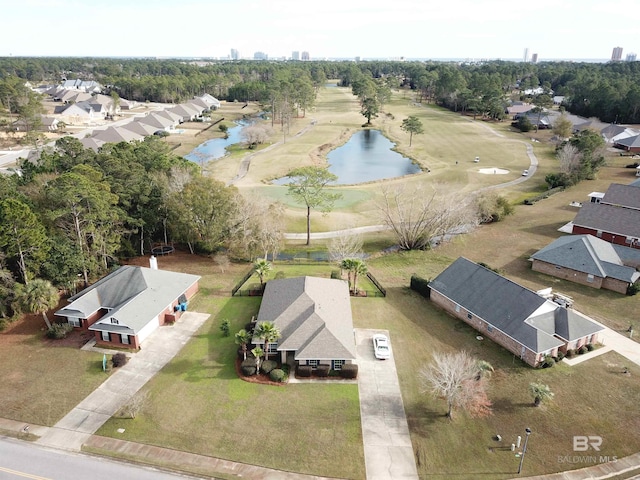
349, 370
277, 375
59, 330
582, 350
248, 366
560, 356
323, 370
119, 359
303, 370
590, 347
267, 366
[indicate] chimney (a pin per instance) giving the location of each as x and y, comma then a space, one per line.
153, 263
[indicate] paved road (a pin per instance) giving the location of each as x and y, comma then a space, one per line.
388, 453
24, 460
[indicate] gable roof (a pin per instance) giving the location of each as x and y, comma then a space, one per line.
587, 254
515, 310
609, 218
629, 142
140, 128
133, 295
156, 121
117, 135
313, 316
622, 195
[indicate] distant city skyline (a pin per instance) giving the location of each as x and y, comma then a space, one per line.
335, 29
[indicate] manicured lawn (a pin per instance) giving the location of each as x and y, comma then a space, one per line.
198, 404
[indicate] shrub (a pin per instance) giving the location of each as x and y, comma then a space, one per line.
523, 124
323, 370
590, 347
225, 327
250, 361
4, 323
248, 370
420, 285
304, 370
279, 275
582, 350
570, 353
560, 356
548, 362
349, 370
249, 327
335, 274
633, 288
277, 375
267, 366
119, 359
548, 193
59, 330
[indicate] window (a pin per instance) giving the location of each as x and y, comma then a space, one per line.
457, 308
75, 322
114, 321
105, 337
599, 233
124, 338
272, 348
489, 328
313, 363
558, 267
590, 278
337, 364
469, 316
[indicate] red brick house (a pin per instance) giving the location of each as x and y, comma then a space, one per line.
520, 320
126, 306
590, 261
615, 219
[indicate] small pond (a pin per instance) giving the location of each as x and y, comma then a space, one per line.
215, 148
366, 157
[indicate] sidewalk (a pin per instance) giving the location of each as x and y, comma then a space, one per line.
89, 415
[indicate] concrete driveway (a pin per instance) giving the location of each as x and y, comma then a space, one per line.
388, 452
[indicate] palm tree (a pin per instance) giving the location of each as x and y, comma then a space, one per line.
347, 264
257, 352
540, 393
269, 333
243, 338
262, 267
38, 297
359, 268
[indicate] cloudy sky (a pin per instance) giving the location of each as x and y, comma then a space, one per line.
555, 29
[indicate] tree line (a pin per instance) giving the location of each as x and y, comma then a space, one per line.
608, 91
73, 214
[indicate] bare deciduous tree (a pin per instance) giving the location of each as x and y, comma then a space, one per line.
345, 245
135, 405
459, 379
417, 216
569, 158
258, 227
254, 135
221, 260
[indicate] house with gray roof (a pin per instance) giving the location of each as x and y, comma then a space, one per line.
314, 318
126, 306
587, 260
117, 135
630, 144
520, 320
615, 218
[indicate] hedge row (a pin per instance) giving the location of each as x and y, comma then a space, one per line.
420, 285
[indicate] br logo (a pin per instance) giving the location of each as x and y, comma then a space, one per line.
582, 443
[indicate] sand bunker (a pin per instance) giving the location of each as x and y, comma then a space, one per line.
493, 171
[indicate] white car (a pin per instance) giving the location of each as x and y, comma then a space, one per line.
525, 173
381, 348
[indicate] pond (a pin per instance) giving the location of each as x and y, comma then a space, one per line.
216, 148
366, 157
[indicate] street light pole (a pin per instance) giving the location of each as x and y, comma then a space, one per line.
524, 449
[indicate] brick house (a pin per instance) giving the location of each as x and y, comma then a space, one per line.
520, 320
314, 318
590, 261
126, 306
614, 219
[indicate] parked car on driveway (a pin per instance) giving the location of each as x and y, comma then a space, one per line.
381, 348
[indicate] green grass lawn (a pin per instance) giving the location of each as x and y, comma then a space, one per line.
198, 404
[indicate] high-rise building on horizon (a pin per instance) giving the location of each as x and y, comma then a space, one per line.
260, 56
525, 57
631, 57
305, 56
235, 54
616, 55
534, 58
295, 55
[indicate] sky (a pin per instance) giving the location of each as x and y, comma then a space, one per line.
384, 29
